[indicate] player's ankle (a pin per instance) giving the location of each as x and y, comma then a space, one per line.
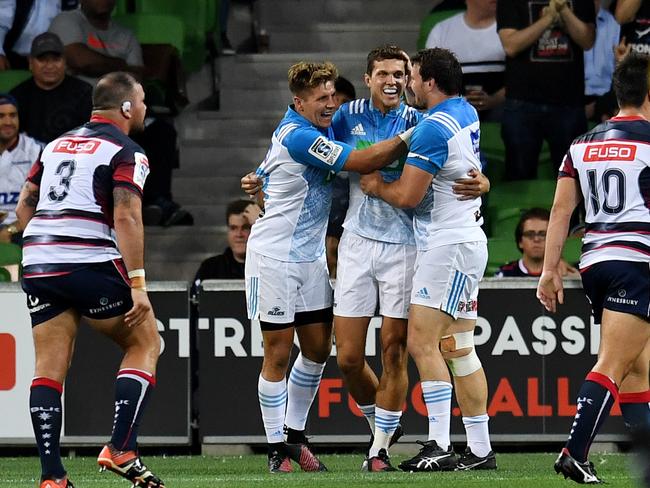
295, 436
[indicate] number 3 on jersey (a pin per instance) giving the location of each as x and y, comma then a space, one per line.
65, 170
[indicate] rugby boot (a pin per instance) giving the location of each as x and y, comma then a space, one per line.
583, 473
56, 483
128, 465
468, 460
431, 458
379, 463
300, 451
279, 461
399, 432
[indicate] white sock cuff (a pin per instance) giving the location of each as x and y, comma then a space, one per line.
380, 412
367, 409
309, 366
435, 384
477, 419
271, 387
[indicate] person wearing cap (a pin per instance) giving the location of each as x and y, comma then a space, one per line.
51, 102
18, 152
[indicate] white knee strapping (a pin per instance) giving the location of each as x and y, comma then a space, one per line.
463, 365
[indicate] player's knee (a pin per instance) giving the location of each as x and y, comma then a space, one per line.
350, 363
419, 348
394, 357
458, 351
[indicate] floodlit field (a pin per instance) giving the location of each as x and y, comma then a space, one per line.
515, 470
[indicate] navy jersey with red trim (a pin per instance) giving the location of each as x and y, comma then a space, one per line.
76, 175
611, 163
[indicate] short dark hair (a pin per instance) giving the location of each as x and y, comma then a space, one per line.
532, 213
630, 81
303, 76
442, 66
113, 89
344, 86
237, 207
381, 53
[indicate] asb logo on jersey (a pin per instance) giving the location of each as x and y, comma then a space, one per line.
609, 152
79, 146
325, 150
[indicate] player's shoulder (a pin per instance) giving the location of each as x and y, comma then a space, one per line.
451, 117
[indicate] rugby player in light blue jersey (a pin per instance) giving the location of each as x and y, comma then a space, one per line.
451, 259
287, 282
376, 257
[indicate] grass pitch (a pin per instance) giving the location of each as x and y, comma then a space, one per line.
515, 470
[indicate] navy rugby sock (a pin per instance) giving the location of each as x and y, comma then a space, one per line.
595, 399
636, 410
47, 413
132, 390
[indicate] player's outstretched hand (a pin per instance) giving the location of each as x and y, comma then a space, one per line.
141, 310
472, 187
251, 184
370, 183
550, 290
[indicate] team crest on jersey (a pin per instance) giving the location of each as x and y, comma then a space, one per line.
325, 150
76, 146
141, 170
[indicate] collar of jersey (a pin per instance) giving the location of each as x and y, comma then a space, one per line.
394, 112
98, 119
294, 116
448, 101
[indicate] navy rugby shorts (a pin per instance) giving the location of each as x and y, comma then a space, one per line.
621, 286
97, 291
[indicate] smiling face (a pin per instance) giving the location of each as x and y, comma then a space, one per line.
419, 88
8, 124
386, 82
317, 104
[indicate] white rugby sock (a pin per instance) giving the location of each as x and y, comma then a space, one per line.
386, 422
304, 381
273, 403
437, 397
478, 434
368, 412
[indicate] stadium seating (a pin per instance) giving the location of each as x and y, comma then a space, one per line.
11, 77
500, 251
5, 275
155, 28
10, 254
429, 21
572, 250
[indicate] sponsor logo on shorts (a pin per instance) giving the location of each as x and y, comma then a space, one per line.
276, 312
423, 293
105, 306
325, 150
471, 306
34, 304
623, 301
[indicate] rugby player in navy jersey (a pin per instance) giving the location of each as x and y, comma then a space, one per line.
83, 256
609, 169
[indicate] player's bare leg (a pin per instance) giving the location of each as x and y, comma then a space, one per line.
53, 347
426, 327
634, 395
471, 393
624, 338
135, 381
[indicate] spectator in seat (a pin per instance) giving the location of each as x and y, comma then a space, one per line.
472, 37
20, 23
240, 216
600, 61
530, 236
18, 152
544, 44
51, 102
96, 45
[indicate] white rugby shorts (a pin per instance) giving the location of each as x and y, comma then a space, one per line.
447, 278
277, 290
369, 270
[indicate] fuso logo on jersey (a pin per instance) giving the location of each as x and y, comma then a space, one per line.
609, 152
72, 146
325, 150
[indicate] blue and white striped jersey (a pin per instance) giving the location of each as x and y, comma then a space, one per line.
297, 173
360, 124
446, 144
